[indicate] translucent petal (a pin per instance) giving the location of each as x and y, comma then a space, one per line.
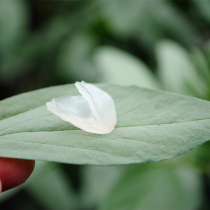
94, 111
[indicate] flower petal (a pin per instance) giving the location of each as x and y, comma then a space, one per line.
101, 104
73, 109
94, 111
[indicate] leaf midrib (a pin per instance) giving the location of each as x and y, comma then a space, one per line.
170, 123
106, 139
159, 124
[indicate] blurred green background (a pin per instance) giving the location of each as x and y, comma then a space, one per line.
157, 44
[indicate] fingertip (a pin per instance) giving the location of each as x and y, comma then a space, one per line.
14, 172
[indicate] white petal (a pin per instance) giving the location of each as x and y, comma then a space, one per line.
93, 112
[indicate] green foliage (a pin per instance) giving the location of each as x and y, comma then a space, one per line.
203, 8
118, 67
152, 126
161, 44
148, 20
75, 55
98, 182
13, 19
55, 192
155, 186
176, 70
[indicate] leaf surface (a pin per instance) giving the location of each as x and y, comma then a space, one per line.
152, 126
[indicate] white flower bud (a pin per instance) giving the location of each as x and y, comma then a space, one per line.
92, 111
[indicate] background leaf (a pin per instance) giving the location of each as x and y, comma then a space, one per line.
74, 59
148, 21
13, 24
96, 178
119, 67
152, 126
176, 70
203, 8
54, 192
155, 186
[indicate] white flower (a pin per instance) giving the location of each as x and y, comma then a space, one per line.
92, 111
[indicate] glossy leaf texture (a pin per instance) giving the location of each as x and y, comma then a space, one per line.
152, 126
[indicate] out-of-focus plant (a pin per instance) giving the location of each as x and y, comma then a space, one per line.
50, 43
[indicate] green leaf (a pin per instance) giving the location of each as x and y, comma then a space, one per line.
13, 24
55, 192
74, 58
119, 67
152, 126
9, 194
170, 20
176, 70
202, 8
96, 178
13, 18
148, 21
152, 187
